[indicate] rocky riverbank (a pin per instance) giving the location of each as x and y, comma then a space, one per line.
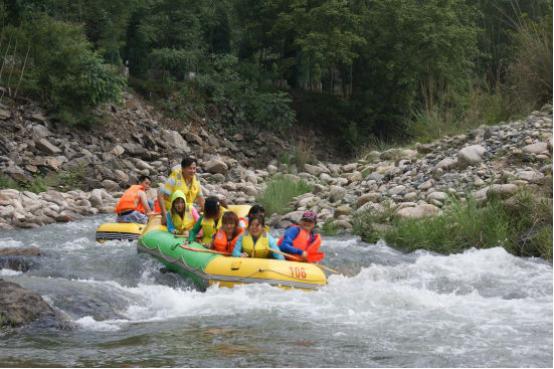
414, 182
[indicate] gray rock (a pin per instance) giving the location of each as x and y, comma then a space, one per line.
418, 212
446, 164
110, 185
40, 131
5, 114
216, 166
342, 210
175, 141
336, 193
437, 195
313, 170
117, 150
536, 148
19, 306
471, 155
502, 190
46, 146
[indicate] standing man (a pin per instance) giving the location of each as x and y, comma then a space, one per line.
133, 206
184, 179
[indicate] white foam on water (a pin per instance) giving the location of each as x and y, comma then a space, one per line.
76, 244
9, 272
10, 242
408, 298
89, 323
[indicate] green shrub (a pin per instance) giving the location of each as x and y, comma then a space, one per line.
329, 228
521, 224
279, 193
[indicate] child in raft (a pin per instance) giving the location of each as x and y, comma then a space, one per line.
301, 240
181, 217
210, 222
227, 236
256, 242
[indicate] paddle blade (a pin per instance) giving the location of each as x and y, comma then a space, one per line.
314, 257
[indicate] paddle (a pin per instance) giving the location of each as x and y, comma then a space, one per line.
300, 259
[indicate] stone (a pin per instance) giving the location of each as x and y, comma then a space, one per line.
53, 162
471, 155
530, 176
216, 166
174, 141
342, 210
410, 196
293, 216
504, 191
313, 170
419, 211
536, 148
110, 185
370, 196
19, 251
40, 131
117, 150
446, 164
46, 146
426, 185
121, 176
397, 190
437, 195
342, 224
5, 114
348, 168
336, 193
19, 306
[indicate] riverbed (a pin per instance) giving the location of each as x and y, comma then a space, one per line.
482, 308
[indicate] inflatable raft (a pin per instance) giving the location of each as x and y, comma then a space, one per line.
132, 231
205, 268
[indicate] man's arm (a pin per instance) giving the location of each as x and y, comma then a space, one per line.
144, 200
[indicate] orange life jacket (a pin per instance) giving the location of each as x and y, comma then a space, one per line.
130, 200
221, 243
302, 242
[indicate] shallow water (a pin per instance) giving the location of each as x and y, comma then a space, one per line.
482, 308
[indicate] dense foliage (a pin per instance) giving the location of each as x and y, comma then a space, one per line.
357, 69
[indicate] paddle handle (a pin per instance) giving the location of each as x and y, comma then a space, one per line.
206, 251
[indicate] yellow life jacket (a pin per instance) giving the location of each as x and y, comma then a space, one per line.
259, 250
191, 192
209, 227
185, 222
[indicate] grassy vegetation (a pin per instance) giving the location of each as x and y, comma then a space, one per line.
328, 228
522, 225
279, 193
302, 153
61, 181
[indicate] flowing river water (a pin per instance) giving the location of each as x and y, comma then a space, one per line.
482, 308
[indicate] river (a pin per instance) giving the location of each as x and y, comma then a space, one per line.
482, 308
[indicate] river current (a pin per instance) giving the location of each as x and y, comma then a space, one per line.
482, 308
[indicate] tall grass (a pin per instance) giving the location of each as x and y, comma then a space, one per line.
522, 225
530, 73
279, 192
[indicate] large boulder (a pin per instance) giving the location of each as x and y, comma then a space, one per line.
175, 141
19, 306
18, 258
216, 166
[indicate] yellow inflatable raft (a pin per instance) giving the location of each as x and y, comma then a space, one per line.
132, 231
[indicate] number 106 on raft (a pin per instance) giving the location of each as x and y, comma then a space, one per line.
298, 272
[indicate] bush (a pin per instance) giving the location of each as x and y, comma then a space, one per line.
279, 192
55, 62
530, 73
522, 225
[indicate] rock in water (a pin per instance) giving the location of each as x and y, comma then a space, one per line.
19, 306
